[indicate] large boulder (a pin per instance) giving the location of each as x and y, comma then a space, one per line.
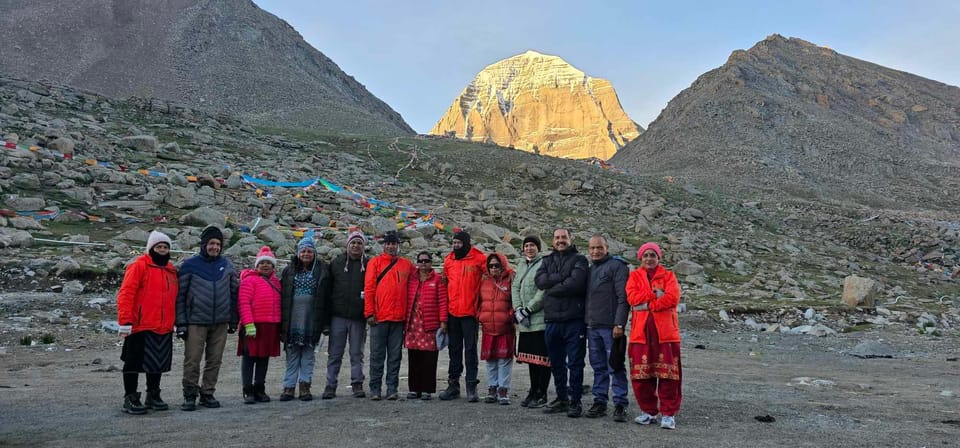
860, 291
182, 197
20, 204
15, 238
204, 216
143, 143
687, 267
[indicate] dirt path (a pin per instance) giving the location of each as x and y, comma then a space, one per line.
57, 398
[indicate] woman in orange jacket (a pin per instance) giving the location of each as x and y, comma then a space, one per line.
653, 293
146, 308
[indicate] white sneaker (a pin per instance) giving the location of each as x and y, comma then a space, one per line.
645, 419
667, 422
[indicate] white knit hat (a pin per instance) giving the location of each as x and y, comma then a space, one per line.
265, 254
156, 238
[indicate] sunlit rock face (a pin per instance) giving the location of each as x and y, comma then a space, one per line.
540, 103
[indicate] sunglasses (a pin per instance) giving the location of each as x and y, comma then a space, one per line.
424, 261
494, 266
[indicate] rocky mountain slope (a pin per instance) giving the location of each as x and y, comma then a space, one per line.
70, 224
221, 55
540, 103
790, 116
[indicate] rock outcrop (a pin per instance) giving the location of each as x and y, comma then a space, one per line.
218, 55
542, 104
788, 116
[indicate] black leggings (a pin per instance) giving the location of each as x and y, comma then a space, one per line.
253, 370
539, 380
131, 380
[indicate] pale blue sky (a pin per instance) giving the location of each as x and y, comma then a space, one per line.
418, 55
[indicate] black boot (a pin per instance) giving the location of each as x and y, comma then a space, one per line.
452, 391
260, 393
132, 405
189, 403
208, 401
248, 397
472, 391
153, 401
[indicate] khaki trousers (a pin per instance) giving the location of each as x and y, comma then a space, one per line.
204, 343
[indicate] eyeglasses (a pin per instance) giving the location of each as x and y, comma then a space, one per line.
494, 266
424, 261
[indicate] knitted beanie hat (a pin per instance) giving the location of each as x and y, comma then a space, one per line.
265, 254
210, 233
356, 234
531, 239
306, 243
649, 246
157, 238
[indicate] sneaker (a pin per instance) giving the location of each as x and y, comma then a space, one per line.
330, 392
358, 390
597, 410
645, 419
491, 395
413, 395
132, 405
425, 396
529, 399
503, 396
393, 396
575, 410
537, 403
619, 414
557, 406
207, 401
667, 422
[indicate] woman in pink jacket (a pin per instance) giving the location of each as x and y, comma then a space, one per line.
259, 305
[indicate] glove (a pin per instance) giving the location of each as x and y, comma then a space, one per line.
522, 316
182, 333
125, 330
231, 328
250, 330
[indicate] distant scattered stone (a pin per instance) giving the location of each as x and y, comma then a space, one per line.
872, 349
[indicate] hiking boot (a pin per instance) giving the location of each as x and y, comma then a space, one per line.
597, 410
357, 390
645, 419
153, 401
330, 392
208, 401
189, 403
375, 395
503, 396
287, 394
619, 414
575, 410
557, 406
260, 393
393, 396
452, 391
538, 402
667, 422
305, 394
132, 405
472, 391
425, 396
248, 396
491, 395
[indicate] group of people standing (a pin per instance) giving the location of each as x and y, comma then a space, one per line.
561, 303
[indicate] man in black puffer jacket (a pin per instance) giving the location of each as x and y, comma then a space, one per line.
206, 312
563, 278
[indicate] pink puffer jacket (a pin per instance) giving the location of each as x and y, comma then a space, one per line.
259, 298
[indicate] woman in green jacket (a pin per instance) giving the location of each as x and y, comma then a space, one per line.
528, 304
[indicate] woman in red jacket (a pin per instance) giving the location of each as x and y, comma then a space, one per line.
146, 308
654, 293
259, 305
426, 313
496, 321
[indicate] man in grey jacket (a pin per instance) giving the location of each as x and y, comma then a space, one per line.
206, 313
606, 315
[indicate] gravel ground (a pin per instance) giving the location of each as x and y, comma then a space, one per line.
60, 395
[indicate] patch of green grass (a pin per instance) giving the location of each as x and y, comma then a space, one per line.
26, 340
47, 338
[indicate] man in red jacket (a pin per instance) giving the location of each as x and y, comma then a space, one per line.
462, 270
385, 307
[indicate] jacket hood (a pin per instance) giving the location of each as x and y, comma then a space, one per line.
250, 272
507, 269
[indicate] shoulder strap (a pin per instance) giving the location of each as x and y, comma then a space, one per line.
387, 269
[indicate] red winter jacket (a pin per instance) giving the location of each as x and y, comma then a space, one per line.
259, 298
387, 301
463, 281
664, 308
432, 299
148, 296
496, 303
